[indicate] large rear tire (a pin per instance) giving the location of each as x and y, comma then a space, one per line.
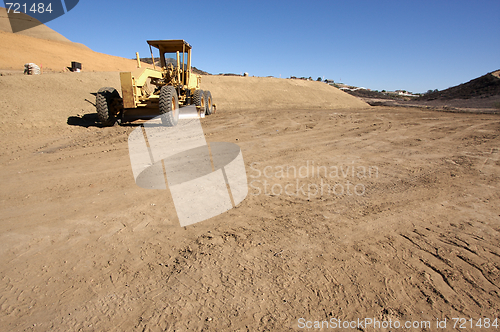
199, 100
169, 106
208, 102
106, 111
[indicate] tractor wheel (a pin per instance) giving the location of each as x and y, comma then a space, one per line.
106, 111
199, 100
169, 106
208, 101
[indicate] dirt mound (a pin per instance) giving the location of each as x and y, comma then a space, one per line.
485, 86
53, 55
231, 92
39, 31
51, 50
54, 98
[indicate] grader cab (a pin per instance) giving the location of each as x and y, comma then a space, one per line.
147, 93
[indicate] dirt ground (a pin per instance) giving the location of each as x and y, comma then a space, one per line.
485, 105
406, 228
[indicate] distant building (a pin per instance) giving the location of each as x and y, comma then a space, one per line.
404, 93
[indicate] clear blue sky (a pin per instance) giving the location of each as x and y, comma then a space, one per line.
409, 45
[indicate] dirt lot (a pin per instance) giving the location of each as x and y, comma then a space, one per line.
485, 105
411, 235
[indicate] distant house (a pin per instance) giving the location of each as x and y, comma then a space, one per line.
329, 82
405, 93
351, 88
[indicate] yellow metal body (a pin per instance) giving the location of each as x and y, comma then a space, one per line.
141, 88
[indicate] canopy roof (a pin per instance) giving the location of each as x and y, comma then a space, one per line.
170, 46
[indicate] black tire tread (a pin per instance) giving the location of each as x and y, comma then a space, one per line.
105, 112
197, 97
167, 116
208, 105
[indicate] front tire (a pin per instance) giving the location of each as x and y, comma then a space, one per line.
208, 102
169, 106
106, 111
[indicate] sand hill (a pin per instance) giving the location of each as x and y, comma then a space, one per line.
18, 49
233, 92
51, 50
38, 31
55, 97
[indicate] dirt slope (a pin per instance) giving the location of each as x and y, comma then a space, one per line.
85, 249
49, 100
40, 31
53, 55
234, 93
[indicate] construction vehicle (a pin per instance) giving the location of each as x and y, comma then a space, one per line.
148, 93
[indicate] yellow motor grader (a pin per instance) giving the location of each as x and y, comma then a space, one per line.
147, 93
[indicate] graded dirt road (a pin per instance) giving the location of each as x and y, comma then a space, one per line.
411, 235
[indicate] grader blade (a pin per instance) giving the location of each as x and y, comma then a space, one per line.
190, 112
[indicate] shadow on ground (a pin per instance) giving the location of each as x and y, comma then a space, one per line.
86, 120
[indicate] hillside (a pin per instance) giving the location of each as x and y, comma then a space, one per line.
237, 92
54, 55
50, 49
38, 30
55, 97
481, 94
485, 86
363, 93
